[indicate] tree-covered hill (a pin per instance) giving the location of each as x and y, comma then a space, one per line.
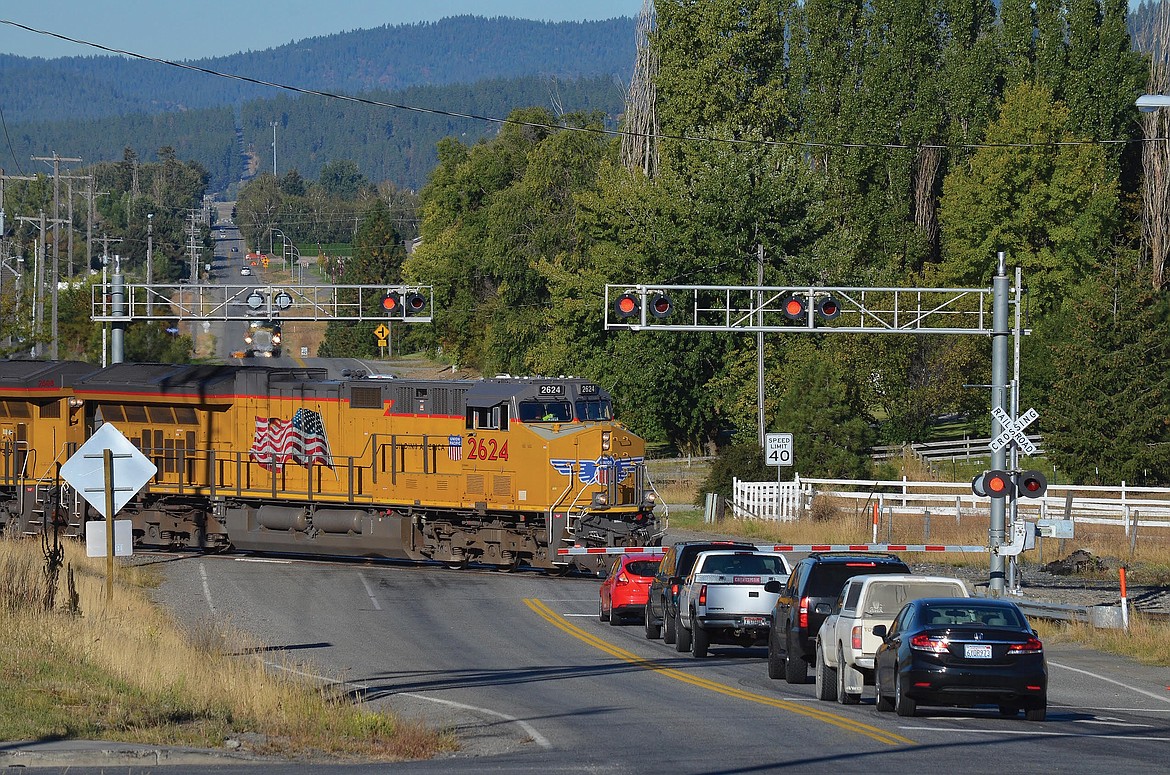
462, 49
386, 143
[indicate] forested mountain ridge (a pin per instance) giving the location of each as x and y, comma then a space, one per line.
461, 49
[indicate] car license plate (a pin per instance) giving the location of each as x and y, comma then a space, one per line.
754, 621
745, 579
973, 651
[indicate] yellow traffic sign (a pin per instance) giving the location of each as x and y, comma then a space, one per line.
381, 331
381, 342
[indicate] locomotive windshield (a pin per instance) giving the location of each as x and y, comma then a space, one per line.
545, 411
594, 409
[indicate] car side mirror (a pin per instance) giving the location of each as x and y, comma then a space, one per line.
773, 587
823, 608
879, 630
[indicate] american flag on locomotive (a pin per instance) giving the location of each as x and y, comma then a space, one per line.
301, 440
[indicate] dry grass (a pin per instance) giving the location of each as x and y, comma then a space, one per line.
122, 670
1145, 641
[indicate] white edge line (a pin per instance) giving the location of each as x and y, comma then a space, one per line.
370, 591
206, 588
1142, 692
537, 738
1037, 733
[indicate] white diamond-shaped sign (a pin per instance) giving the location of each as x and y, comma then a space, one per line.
85, 470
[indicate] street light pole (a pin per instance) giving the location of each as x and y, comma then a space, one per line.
149, 264
275, 174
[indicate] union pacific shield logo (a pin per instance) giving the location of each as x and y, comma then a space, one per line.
597, 471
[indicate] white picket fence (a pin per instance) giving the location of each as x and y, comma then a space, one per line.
1125, 506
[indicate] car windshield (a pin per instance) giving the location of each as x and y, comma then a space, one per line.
642, 567
741, 564
951, 614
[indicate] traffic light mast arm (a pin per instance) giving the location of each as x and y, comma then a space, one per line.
836, 309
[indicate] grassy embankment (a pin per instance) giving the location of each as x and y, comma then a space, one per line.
123, 671
832, 523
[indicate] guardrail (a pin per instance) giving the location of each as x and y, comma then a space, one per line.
953, 449
1106, 617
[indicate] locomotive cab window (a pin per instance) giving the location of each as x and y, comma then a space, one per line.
545, 411
488, 418
594, 409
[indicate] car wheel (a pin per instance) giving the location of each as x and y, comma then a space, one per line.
1037, 712
884, 703
682, 637
903, 705
795, 669
700, 640
775, 661
653, 631
669, 631
844, 696
825, 677
602, 614
614, 619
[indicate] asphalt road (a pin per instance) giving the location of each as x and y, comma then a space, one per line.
520, 667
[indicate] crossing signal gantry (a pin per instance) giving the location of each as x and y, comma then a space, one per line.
774, 309
183, 301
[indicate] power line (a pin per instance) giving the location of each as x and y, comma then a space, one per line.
587, 130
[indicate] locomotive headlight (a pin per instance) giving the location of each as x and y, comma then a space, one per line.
276, 338
248, 339
605, 436
600, 500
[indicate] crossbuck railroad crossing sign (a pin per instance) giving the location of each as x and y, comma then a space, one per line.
1013, 431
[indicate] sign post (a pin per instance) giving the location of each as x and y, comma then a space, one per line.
91, 471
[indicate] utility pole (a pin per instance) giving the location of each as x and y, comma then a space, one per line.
39, 288
56, 273
275, 174
106, 292
149, 262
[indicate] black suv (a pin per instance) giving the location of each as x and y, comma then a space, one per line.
662, 605
808, 599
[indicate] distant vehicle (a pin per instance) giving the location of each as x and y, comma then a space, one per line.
964, 652
807, 599
245, 271
262, 339
846, 643
235, 250
624, 591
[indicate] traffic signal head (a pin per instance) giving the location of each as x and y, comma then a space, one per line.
392, 302
661, 306
626, 305
795, 308
415, 303
828, 308
1031, 484
998, 484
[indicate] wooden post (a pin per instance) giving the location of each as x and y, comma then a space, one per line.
108, 460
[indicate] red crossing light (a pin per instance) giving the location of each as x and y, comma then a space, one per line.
391, 302
626, 305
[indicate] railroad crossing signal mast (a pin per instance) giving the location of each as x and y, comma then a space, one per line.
841, 310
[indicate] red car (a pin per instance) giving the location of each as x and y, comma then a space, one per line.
626, 588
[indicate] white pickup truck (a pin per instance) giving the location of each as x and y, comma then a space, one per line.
846, 644
728, 598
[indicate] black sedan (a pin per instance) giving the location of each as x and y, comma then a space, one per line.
961, 651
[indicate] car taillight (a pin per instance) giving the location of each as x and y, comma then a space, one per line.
703, 595
924, 642
623, 578
855, 640
674, 589
803, 620
1030, 646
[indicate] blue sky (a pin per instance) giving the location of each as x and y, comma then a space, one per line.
174, 30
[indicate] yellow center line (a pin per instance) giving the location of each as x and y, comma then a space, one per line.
841, 722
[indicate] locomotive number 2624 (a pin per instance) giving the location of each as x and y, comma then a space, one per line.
486, 449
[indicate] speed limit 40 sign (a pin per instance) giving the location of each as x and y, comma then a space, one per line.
778, 449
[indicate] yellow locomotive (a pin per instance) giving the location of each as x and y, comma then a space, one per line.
501, 471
